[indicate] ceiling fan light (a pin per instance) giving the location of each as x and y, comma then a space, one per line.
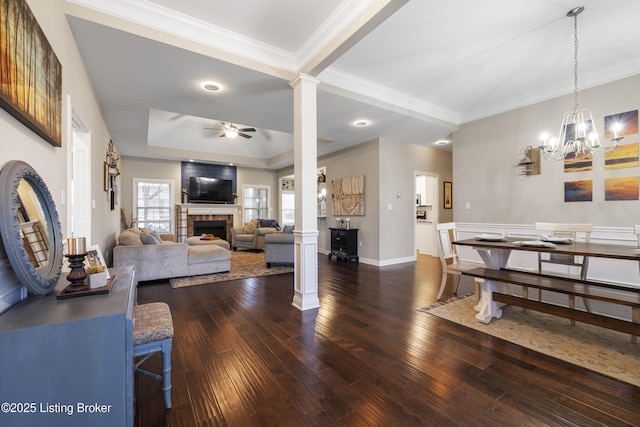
231, 132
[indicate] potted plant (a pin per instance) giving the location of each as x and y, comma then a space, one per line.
97, 276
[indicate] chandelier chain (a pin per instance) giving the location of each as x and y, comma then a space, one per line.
576, 106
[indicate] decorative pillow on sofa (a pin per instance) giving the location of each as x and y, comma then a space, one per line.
250, 226
150, 237
130, 237
288, 229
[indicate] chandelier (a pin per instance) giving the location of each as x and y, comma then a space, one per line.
578, 136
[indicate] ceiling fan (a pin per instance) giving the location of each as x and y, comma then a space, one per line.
229, 130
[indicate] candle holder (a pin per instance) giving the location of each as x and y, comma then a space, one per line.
77, 275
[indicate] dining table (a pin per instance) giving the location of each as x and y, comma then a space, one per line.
495, 252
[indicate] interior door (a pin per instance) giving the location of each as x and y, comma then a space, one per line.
80, 197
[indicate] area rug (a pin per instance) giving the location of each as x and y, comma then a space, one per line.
244, 264
601, 350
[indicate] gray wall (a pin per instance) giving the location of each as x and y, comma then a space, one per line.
20, 143
387, 236
486, 151
361, 160
135, 167
398, 164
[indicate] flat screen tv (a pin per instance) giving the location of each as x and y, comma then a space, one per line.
210, 190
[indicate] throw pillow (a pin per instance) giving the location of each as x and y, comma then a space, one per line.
150, 237
249, 227
288, 229
129, 237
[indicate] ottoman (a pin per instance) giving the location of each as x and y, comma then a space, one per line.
207, 259
196, 240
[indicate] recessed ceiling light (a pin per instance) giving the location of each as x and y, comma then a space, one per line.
212, 86
442, 142
191, 160
360, 123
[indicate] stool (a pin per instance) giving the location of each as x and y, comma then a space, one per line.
153, 332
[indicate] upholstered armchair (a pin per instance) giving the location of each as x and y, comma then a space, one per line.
250, 236
279, 248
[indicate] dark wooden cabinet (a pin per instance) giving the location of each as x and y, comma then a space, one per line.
344, 244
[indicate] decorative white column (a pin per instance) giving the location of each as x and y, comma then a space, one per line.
305, 136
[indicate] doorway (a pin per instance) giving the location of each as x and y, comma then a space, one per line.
426, 206
79, 174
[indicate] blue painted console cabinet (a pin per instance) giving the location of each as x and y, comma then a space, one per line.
69, 362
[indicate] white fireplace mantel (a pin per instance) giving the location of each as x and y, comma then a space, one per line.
214, 209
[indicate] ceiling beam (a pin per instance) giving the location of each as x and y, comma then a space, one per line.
362, 25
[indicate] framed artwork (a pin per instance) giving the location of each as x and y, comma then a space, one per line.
624, 156
94, 257
621, 124
347, 196
448, 201
577, 164
578, 191
625, 188
31, 74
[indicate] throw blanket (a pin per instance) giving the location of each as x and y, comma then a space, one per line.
270, 223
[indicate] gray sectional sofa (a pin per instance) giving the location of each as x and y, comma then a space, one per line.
164, 258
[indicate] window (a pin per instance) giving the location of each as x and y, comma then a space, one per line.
153, 204
288, 208
255, 202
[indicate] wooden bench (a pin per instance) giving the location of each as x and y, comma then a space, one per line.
607, 292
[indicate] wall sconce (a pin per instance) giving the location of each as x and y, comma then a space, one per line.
322, 195
529, 162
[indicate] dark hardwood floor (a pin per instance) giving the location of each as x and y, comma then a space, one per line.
244, 356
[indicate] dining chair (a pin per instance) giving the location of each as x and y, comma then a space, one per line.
581, 264
451, 264
153, 333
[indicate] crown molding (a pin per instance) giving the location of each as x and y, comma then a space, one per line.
587, 81
389, 96
180, 25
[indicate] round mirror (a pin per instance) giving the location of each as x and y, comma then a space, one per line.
30, 227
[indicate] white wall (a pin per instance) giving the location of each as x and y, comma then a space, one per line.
486, 151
